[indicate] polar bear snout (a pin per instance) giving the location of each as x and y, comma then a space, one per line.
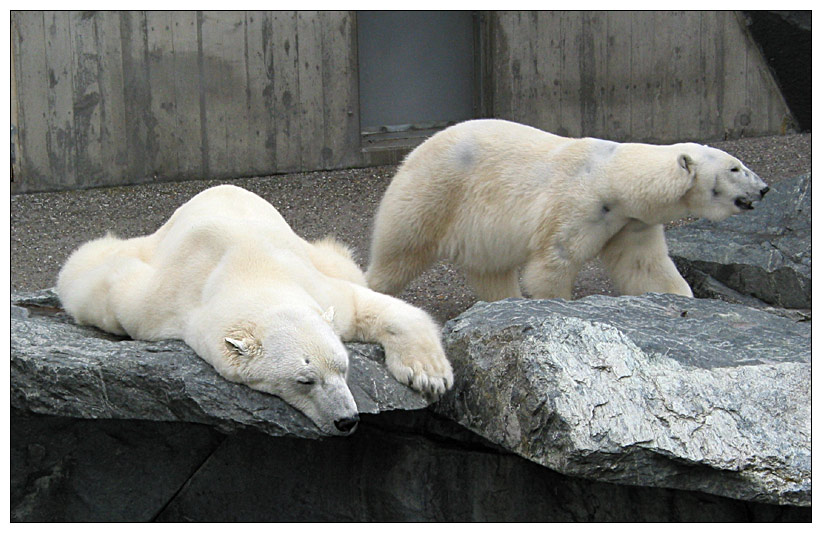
330, 405
746, 202
347, 425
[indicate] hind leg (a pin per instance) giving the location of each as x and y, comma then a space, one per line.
406, 236
132, 300
492, 286
391, 268
88, 282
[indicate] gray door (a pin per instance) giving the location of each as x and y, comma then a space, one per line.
416, 69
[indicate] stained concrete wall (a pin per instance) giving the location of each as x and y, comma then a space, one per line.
655, 76
120, 97
105, 98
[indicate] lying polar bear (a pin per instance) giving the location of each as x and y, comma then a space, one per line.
227, 275
493, 196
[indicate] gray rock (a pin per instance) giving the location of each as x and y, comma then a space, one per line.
765, 254
658, 391
77, 470
60, 368
396, 467
380, 476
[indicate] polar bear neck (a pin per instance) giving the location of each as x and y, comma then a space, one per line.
646, 183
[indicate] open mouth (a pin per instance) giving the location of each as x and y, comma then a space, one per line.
743, 203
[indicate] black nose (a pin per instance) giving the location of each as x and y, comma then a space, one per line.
764, 190
346, 425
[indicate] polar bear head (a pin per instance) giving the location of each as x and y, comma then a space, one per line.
721, 185
294, 353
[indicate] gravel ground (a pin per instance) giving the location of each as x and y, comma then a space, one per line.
46, 227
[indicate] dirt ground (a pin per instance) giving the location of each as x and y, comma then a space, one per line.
46, 227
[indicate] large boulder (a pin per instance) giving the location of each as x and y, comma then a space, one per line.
764, 254
658, 391
670, 398
59, 368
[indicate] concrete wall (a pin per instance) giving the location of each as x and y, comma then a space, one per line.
114, 97
641, 76
105, 98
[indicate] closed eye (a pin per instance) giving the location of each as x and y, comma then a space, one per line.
306, 381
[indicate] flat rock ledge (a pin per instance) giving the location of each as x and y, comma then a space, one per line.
657, 391
59, 368
759, 258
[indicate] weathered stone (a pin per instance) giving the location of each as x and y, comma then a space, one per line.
63, 369
388, 476
76, 470
765, 254
659, 391
398, 466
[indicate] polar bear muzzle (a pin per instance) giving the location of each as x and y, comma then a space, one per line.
745, 203
347, 425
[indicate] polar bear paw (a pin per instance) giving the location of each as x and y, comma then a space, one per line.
424, 369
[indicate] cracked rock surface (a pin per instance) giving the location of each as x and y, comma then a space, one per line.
59, 368
763, 255
657, 390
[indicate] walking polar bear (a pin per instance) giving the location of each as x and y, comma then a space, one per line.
493, 196
227, 275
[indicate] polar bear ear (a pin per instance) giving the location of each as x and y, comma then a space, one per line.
237, 346
328, 315
687, 163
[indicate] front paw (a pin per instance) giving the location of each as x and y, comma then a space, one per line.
424, 368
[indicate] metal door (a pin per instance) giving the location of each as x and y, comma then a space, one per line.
416, 69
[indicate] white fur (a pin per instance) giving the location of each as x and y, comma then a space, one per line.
493, 196
227, 275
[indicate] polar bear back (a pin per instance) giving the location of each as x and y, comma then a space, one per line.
143, 286
230, 202
486, 161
